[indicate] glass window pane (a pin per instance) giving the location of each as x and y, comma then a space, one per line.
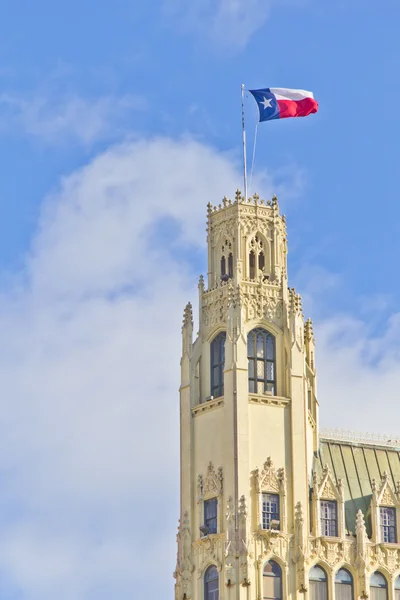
270, 348
343, 585
260, 345
272, 581
251, 369
317, 574
250, 344
318, 590
397, 584
328, 512
378, 580
270, 509
217, 352
260, 369
343, 576
211, 584
270, 371
223, 266
388, 524
230, 265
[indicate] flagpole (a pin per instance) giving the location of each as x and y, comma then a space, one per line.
244, 147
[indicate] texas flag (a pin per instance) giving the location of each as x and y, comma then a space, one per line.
280, 103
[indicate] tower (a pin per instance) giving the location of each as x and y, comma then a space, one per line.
248, 415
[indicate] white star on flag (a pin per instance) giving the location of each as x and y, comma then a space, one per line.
266, 103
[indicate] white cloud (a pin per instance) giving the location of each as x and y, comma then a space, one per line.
72, 118
89, 374
229, 23
359, 374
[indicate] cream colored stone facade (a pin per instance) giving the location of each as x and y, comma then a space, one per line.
239, 445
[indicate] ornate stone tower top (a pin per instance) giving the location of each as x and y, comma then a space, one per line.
248, 408
246, 241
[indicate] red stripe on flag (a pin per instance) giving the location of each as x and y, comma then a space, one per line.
297, 108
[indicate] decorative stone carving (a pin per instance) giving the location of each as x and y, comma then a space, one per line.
299, 548
230, 529
209, 550
211, 484
269, 479
184, 568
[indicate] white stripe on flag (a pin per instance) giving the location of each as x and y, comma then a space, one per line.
287, 94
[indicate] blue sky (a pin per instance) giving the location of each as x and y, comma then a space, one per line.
119, 121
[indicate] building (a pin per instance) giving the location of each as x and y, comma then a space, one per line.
271, 508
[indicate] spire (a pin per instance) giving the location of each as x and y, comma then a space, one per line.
187, 315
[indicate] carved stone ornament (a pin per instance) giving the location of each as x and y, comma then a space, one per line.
270, 480
326, 488
184, 567
209, 551
210, 485
386, 496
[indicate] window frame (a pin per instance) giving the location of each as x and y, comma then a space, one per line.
390, 529
350, 583
311, 581
377, 587
206, 583
273, 564
326, 522
265, 363
265, 519
217, 364
397, 588
207, 519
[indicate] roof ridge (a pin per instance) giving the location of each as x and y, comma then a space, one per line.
356, 437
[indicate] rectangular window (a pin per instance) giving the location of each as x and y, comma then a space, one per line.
388, 524
210, 514
329, 518
270, 510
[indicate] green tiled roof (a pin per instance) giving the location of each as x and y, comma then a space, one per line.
357, 464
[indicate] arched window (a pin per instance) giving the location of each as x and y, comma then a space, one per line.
261, 261
223, 266
230, 264
211, 584
261, 357
252, 264
217, 364
343, 585
378, 585
272, 581
318, 584
397, 589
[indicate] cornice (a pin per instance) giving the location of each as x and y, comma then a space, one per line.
279, 401
207, 406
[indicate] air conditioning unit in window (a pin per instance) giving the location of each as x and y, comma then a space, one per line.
209, 398
274, 524
204, 530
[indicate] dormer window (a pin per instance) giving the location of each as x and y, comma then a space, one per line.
388, 524
329, 518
